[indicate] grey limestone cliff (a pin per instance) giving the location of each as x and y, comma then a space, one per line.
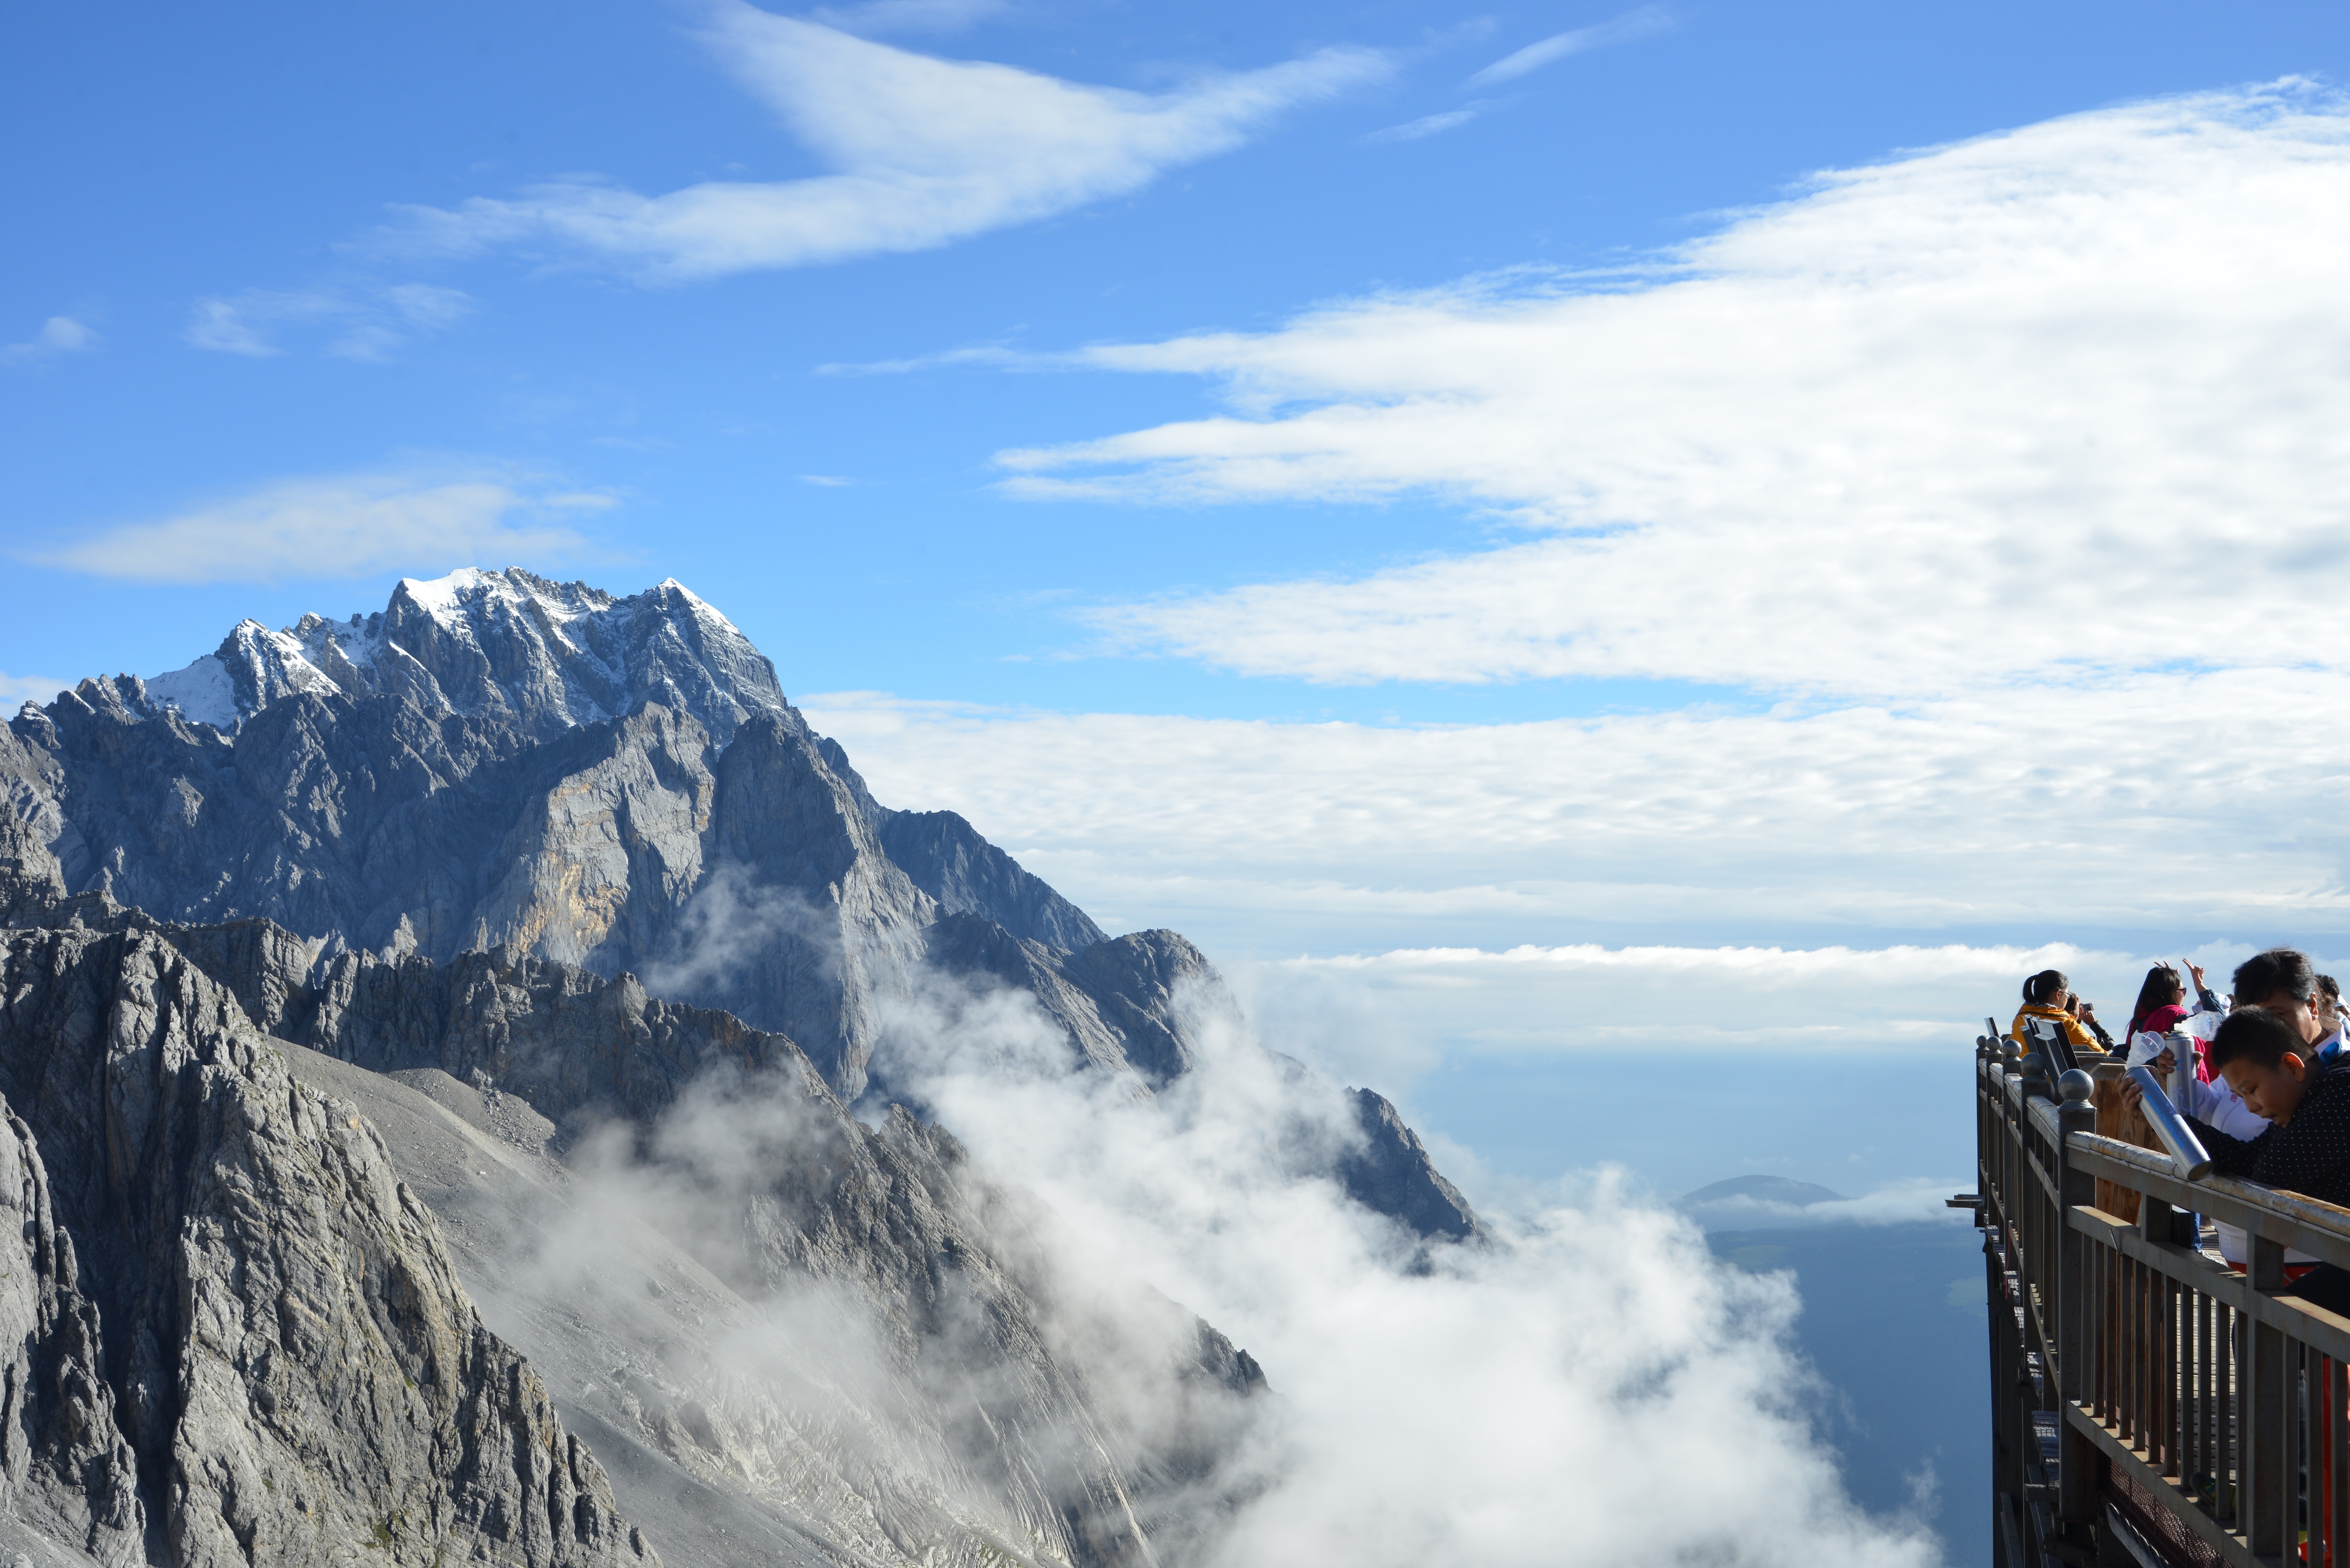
947, 859
239, 1337
988, 1413
1391, 1172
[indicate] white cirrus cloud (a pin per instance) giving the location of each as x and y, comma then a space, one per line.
1632, 25
926, 151
909, 15
336, 527
1429, 124
58, 335
367, 322
2065, 401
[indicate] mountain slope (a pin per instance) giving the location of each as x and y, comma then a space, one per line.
245, 1339
848, 1346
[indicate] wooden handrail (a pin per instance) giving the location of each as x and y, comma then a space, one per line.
2201, 1413
2305, 1224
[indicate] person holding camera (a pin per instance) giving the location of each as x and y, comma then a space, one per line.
2048, 994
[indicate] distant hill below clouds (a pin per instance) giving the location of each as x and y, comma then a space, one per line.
1784, 1190
1756, 1202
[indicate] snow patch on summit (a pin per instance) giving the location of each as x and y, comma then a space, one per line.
202, 691
438, 596
700, 607
455, 599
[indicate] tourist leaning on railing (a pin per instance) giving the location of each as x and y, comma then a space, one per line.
2046, 995
2210, 1099
2306, 1149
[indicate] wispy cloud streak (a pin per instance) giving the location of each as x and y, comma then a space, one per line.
367, 322
1632, 25
336, 527
927, 151
1429, 124
58, 335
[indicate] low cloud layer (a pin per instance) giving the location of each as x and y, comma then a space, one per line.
1426, 1419
925, 151
1392, 1017
1419, 1418
2184, 807
336, 527
2062, 402
1912, 1202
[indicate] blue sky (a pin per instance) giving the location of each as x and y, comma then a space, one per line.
1527, 507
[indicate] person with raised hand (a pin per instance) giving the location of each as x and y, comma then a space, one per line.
2162, 1007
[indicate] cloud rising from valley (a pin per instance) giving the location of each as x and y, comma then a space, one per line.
1425, 1408
1421, 1417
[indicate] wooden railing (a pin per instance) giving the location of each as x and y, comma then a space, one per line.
2149, 1404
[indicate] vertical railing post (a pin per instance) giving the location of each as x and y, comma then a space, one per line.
2265, 1503
2078, 1317
2007, 1404
2033, 1271
2011, 1143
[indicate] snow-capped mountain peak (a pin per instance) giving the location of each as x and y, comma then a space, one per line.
547, 655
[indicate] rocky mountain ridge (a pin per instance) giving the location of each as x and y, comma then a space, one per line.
458, 782
512, 646
604, 969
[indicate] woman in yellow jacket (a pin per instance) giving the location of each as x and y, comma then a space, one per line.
2048, 995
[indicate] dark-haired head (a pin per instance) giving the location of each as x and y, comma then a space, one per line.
2280, 973
2046, 987
2253, 1034
2163, 988
2265, 1059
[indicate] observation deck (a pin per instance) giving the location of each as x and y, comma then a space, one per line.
2149, 1403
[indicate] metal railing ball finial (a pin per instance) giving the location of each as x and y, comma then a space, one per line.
2075, 1087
